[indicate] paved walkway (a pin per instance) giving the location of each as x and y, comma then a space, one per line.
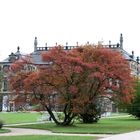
127, 136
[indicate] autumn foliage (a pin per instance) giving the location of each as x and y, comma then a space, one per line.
73, 81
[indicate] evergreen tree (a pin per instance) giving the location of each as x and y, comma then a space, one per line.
134, 107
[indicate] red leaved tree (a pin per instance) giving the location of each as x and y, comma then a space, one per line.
75, 80
108, 76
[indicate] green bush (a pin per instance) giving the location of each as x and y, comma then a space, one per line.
1, 124
134, 107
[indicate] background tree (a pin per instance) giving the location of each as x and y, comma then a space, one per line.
75, 81
134, 107
1, 80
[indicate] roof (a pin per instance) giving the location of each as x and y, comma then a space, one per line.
37, 58
12, 57
127, 56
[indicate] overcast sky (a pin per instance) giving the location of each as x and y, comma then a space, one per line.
68, 21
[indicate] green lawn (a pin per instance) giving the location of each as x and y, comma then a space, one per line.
104, 126
46, 138
21, 117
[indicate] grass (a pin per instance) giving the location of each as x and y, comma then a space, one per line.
21, 117
104, 126
27, 117
46, 138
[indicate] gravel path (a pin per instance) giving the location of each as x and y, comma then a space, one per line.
22, 131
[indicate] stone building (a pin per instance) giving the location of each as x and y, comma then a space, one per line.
7, 100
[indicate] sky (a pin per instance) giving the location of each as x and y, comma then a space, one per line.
69, 21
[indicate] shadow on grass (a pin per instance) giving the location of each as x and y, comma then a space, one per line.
4, 131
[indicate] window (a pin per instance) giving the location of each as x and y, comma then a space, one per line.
5, 84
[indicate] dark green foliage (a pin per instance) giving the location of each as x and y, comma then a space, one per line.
1, 124
95, 109
90, 118
134, 107
92, 113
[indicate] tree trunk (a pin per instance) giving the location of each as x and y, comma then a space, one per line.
67, 119
52, 115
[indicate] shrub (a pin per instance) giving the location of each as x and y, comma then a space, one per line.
1, 124
134, 107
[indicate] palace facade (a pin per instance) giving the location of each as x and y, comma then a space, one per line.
7, 100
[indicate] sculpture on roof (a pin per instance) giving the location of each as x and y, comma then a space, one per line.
35, 44
121, 41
